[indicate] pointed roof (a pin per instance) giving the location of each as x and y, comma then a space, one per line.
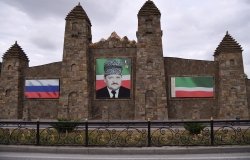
15, 51
114, 41
114, 35
149, 8
228, 44
77, 13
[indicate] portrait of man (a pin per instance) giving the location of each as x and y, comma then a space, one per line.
111, 84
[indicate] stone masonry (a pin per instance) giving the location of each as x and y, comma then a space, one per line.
74, 99
232, 81
150, 93
151, 99
15, 62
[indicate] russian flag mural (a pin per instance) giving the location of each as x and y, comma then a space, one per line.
42, 88
126, 72
202, 86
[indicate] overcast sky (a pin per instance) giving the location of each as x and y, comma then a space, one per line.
192, 29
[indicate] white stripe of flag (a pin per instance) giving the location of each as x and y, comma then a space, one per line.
173, 87
43, 82
124, 77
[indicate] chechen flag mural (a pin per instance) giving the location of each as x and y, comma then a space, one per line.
126, 72
44, 88
202, 86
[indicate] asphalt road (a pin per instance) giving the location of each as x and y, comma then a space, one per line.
54, 156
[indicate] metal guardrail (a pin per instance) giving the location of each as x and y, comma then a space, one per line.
126, 134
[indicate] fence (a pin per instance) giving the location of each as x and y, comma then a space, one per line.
126, 134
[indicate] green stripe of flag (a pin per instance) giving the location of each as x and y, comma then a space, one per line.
126, 68
194, 81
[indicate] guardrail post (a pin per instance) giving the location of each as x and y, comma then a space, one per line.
212, 131
149, 132
86, 133
37, 132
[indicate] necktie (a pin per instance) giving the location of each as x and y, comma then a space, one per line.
113, 92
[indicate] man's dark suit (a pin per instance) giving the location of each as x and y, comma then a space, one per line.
103, 93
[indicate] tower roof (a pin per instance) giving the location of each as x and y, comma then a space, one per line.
149, 8
114, 35
114, 41
15, 51
228, 44
77, 13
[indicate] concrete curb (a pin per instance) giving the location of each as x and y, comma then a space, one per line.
130, 150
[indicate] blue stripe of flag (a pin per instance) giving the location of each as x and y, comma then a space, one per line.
41, 88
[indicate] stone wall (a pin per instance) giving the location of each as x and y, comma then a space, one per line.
151, 99
11, 86
190, 108
52, 70
0, 68
232, 86
42, 108
248, 94
74, 98
150, 77
107, 109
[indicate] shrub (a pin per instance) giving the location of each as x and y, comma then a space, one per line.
194, 128
65, 125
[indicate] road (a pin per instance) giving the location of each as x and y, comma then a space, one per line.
54, 156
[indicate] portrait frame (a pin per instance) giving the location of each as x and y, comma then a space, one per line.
126, 82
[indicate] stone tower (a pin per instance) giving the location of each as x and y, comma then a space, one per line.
74, 99
150, 89
232, 98
15, 62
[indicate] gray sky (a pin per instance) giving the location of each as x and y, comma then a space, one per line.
192, 29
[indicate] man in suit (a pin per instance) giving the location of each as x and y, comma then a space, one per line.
113, 80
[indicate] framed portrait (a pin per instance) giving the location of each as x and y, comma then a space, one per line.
113, 78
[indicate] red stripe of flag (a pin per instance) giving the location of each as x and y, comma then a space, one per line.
42, 94
126, 83
193, 94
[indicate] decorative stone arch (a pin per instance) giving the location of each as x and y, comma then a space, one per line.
233, 93
7, 92
72, 100
149, 25
73, 67
9, 67
74, 26
151, 103
73, 70
150, 64
232, 62
75, 29
72, 105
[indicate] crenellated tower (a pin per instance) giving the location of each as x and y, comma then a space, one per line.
74, 99
232, 96
150, 87
15, 62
